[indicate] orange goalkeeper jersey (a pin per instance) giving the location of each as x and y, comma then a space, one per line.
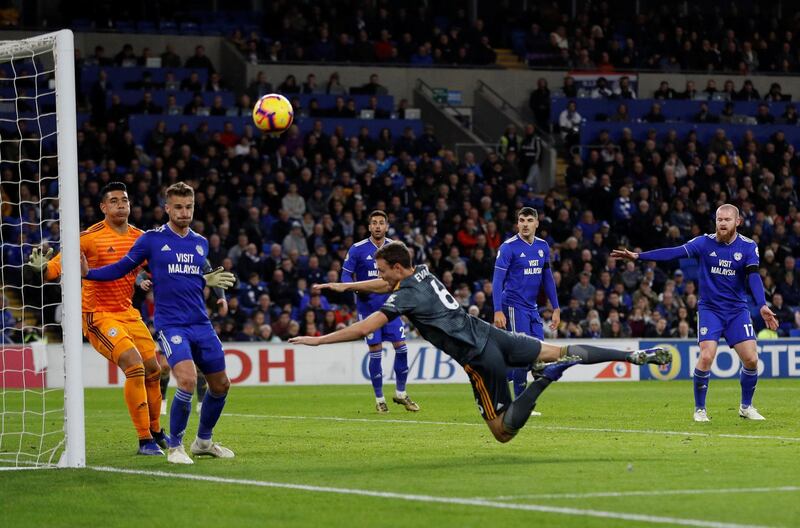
102, 245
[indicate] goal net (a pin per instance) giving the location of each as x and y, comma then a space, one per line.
41, 394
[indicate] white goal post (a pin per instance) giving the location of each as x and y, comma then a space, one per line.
40, 425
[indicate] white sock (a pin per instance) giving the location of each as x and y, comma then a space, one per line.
380, 399
203, 443
400, 394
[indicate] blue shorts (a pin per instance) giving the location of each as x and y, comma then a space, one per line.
392, 332
197, 342
524, 321
735, 327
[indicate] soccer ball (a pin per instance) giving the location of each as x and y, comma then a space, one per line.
273, 113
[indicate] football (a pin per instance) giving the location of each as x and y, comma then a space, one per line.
273, 113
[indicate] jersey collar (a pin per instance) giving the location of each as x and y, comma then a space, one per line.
519, 237
385, 240
732, 240
176, 234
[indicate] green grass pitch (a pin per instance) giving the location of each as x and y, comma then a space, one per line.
602, 454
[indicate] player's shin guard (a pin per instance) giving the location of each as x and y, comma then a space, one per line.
519, 376
179, 413
213, 404
520, 409
401, 367
152, 385
701, 379
376, 372
136, 400
748, 379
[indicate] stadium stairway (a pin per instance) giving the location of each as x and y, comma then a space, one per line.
508, 59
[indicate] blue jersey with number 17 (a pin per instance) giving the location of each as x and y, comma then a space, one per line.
723, 276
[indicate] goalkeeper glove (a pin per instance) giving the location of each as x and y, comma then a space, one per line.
219, 278
38, 261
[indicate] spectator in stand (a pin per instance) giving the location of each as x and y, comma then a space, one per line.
289, 85
170, 59
260, 86
782, 311
570, 122
654, 115
664, 91
569, 88
748, 92
374, 87
690, 92
705, 115
540, 104
199, 60
624, 90
602, 90
763, 117
192, 83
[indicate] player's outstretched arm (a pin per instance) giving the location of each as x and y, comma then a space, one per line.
369, 286
662, 254
358, 330
135, 257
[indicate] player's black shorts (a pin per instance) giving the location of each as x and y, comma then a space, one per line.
487, 371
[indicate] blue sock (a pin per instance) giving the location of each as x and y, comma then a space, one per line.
209, 414
376, 372
179, 416
401, 367
520, 378
748, 379
701, 379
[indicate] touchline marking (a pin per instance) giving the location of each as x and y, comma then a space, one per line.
579, 512
528, 426
642, 493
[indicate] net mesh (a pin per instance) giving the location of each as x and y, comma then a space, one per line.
32, 357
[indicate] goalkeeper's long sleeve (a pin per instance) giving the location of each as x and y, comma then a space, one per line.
663, 254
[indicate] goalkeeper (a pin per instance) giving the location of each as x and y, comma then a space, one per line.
176, 256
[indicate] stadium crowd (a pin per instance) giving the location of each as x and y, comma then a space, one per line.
670, 36
387, 33
282, 213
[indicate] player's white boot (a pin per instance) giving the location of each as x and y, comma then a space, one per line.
164, 407
700, 415
750, 413
177, 455
207, 447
